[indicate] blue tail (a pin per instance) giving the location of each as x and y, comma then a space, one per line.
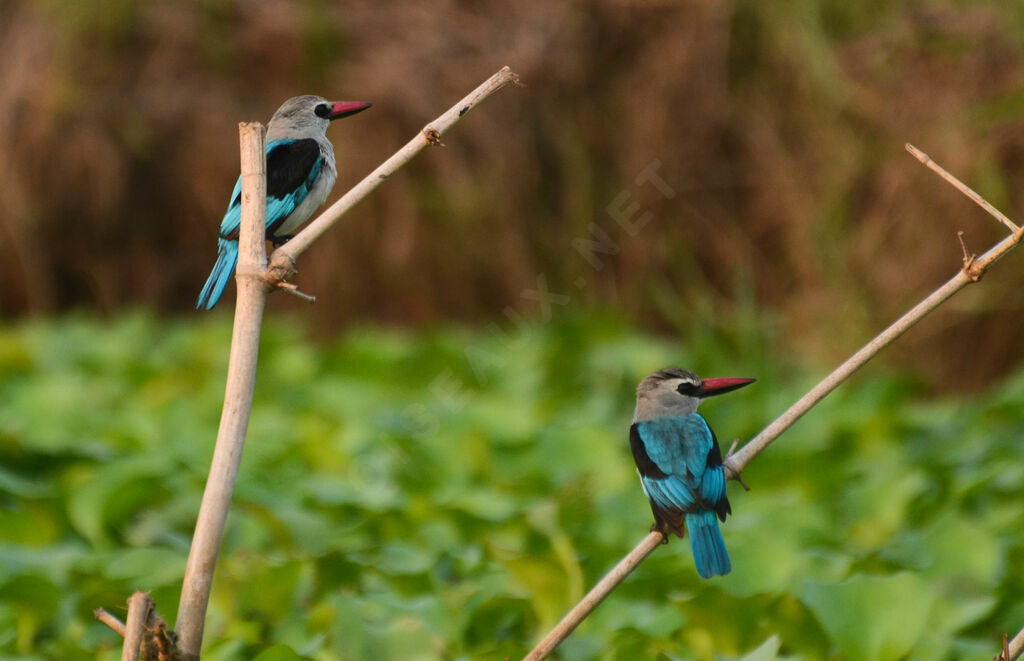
227, 257
709, 552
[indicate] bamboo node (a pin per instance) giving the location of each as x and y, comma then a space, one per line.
433, 136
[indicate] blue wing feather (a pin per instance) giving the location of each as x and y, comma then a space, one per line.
678, 444
688, 485
669, 493
233, 216
278, 208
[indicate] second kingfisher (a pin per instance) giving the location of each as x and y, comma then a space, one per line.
680, 462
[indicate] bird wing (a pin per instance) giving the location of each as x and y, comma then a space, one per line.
680, 463
678, 444
292, 168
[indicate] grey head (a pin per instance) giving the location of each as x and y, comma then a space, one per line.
308, 116
674, 391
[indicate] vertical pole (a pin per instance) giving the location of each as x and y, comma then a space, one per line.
245, 339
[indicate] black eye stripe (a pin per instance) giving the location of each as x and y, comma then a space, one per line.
687, 388
322, 110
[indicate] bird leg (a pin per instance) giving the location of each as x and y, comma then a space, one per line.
732, 449
662, 527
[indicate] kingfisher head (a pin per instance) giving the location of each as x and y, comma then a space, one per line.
674, 391
304, 116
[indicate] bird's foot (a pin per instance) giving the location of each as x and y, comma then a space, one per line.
732, 449
279, 241
663, 529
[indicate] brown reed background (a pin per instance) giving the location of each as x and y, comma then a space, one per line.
780, 127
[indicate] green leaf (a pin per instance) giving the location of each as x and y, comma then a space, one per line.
280, 652
401, 558
148, 566
768, 651
34, 600
113, 493
871, 618
952, 545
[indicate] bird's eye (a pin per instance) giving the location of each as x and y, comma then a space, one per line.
322, 110
687, 388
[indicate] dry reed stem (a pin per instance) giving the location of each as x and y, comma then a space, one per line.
109, 619
596, 595
973, 269
957, 184
139, 608
1012, 649
241, 380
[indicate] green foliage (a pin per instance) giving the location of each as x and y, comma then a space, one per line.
451, 495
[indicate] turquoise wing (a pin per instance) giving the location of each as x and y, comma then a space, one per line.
293, 166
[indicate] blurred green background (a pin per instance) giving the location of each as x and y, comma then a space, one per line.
437, 465
399, 499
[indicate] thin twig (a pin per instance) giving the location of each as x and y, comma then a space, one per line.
959, 185
139, 608
736, 462
971, 272
1012, 650
245, 341
595, 596
289, 288
282, 261
109, 619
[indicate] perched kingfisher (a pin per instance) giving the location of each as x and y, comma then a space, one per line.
680, 463
300, 175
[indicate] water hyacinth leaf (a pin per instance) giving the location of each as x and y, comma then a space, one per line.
113, 492
400, 558
356, 536
34, 600
767, 651
872, 618
152, 566
953, 545
280, 652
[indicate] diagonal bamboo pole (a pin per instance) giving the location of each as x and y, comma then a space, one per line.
974, 267
282, 262
592, 599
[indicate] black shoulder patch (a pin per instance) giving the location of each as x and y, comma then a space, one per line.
644, 463
715, 454
289, 165
722, 507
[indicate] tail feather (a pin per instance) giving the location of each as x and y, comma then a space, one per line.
709, 552
227, 257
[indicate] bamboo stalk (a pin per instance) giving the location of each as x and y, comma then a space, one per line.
596, 595
139, 608
245, 340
